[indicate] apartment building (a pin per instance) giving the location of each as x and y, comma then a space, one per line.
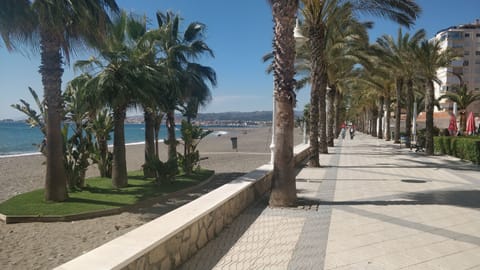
465, 41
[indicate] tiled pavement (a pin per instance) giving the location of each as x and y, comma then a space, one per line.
372, 205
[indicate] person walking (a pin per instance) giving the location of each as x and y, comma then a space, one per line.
352, 132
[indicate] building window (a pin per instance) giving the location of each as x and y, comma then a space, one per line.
477, 35
465, 63
477, 52
466, 53
455, 35
467, 35
477, 62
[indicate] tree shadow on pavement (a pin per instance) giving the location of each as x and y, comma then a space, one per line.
461, 198
162, 207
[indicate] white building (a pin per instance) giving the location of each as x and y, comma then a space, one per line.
465, 41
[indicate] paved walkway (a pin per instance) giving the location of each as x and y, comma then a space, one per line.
372, 205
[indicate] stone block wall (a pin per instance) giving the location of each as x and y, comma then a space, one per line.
173, 252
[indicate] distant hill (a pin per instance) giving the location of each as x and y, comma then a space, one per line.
239, 116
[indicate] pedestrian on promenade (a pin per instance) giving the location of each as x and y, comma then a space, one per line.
352, 132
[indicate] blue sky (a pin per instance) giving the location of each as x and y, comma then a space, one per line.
240, 33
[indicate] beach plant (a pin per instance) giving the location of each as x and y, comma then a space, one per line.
164, 171
77, 152
54, 29
192, 135
101, 126
78, 146
34, 118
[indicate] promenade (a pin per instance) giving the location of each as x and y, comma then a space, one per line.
372, 205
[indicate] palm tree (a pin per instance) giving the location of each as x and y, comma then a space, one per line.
430, 57
177, 51
284, 15
463, 98
56, 28
124, 78
283, 181
398, 56
320, 17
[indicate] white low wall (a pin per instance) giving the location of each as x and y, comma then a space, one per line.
170, 240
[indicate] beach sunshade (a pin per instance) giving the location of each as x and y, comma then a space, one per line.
470, 129
452, 127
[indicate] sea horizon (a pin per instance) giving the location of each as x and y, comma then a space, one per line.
18, 139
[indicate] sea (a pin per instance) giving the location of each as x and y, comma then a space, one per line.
18, 138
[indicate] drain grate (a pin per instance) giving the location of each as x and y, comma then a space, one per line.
414, 181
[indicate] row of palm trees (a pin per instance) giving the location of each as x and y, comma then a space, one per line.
407, 66
156, 69
339, 64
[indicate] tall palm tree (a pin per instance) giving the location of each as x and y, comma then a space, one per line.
283, 183
177, 55
123, 78
284, 15
430, 57
55, 28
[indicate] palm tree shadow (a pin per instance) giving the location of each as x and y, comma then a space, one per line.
164, 205
460, 198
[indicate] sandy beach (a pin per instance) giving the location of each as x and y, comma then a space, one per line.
46, 245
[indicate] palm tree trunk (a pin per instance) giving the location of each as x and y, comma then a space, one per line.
149, 142
429, 103
51, 71
398, 110
284, 192
315, 156
119, 163
409, 105
381, 102
374, 113
323, 113
157, 123
338, 100
331, 115
388, 102
104, 168
172, 140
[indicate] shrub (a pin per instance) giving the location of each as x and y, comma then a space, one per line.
466, 148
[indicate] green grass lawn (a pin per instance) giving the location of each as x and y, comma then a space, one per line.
99, 195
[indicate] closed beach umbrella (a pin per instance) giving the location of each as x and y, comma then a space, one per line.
470, 124
452, 127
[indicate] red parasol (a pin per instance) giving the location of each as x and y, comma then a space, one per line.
452, 127
470, 124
